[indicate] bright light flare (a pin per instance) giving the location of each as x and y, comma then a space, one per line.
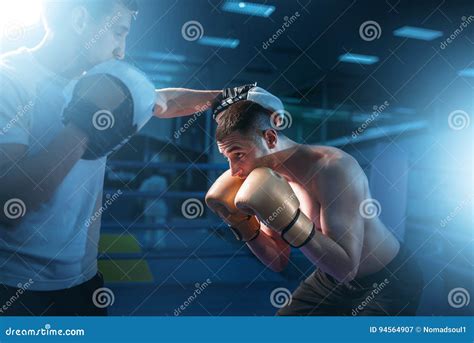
17, 16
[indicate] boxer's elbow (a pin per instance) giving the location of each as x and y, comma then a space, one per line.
282, 260
278, 266
350, 261
164, 113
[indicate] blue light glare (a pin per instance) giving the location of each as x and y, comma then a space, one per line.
248, 8
417, 33
469, 72
158, 66
219, 42
161, 56
357, 58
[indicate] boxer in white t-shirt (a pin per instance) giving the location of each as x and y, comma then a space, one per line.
50, 179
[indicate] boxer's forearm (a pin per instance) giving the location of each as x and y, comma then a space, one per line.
35, 179
330, 257
183, 102
271, 252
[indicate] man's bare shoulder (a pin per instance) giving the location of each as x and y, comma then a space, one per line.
332, 165
330, 159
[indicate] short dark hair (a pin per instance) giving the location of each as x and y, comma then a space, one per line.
243, 116
54, 10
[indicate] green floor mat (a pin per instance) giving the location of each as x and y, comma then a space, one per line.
125, 271
117, 244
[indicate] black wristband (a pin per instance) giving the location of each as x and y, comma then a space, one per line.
311, 235
239, 237
254, 237
290, 225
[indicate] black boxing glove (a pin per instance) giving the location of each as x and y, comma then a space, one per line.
230, 96
107, 124
109, 104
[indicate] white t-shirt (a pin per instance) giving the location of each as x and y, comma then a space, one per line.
56, 245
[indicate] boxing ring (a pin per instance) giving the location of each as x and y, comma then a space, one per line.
191, 247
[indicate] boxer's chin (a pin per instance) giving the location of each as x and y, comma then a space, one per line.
95, 60
243, 176
96, 56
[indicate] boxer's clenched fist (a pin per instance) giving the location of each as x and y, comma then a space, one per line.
220, 199
269, 196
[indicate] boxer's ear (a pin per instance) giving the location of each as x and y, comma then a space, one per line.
271, 138
79, 17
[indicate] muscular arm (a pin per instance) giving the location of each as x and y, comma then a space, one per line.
270, 249
183, 102
341, 189
34, 179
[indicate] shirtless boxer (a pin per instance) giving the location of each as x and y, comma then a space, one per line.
279, 193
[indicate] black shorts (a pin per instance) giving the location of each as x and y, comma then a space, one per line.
74, 301
393, 291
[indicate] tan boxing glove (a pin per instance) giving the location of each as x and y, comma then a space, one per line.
220, 199
267, 195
